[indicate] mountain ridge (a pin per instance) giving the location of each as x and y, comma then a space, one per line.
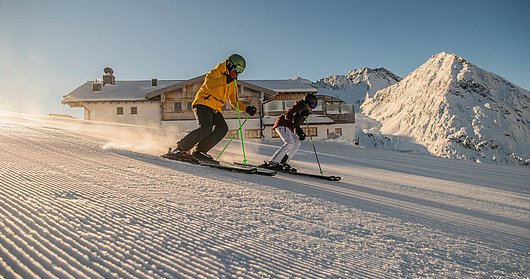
456, 110
356, 84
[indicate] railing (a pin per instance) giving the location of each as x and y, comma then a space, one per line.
278, 107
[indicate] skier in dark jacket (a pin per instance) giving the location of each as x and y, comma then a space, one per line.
288, 128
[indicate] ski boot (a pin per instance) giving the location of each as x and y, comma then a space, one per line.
271, 166
203, 157
288, 168
180, 155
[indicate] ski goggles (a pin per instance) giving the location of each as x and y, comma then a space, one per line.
312, 106
238, 69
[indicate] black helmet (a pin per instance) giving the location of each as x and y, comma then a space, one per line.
236, 62
311, 100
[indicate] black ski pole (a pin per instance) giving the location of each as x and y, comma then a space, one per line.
314, 149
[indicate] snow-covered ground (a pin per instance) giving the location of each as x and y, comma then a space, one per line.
81, 199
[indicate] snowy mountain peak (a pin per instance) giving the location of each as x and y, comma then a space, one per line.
303, 80
353, 87
364, 71
443, 55
367, 74
457, 110
296, 78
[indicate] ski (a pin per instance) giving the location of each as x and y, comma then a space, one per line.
191, 160
260, 171
325, 177
220, 165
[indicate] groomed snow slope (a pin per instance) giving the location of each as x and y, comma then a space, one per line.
76, 201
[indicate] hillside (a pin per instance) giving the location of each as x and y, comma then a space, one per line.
457, 110
94, 200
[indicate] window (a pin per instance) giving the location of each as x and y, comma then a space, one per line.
134, 110
332, 108
312, 131
190, 107
119, 110
252, 133
288, 104
231, 134
273, 106
177, 107
320, 106
338, 131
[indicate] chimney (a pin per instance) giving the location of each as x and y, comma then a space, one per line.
108, 77
96, 86
154, 82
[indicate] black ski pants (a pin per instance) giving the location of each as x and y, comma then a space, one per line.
212, 128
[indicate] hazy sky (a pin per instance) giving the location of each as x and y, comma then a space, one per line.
48, 48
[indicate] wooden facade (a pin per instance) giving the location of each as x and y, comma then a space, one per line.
176, 100
286, 96
169, 104
169, 109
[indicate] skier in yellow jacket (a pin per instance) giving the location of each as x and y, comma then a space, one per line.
217, 88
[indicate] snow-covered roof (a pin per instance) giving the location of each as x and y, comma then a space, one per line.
120, 91
311, 119
142, 89
269, 93
287, 85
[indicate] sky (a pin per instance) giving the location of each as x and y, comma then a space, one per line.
48, 48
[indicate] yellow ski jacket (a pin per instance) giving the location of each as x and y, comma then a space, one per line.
214, 92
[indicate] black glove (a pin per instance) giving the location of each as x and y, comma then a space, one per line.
304, 113
300, 133
251, 110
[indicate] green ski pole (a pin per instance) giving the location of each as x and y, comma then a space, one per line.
231, 139
239, 119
